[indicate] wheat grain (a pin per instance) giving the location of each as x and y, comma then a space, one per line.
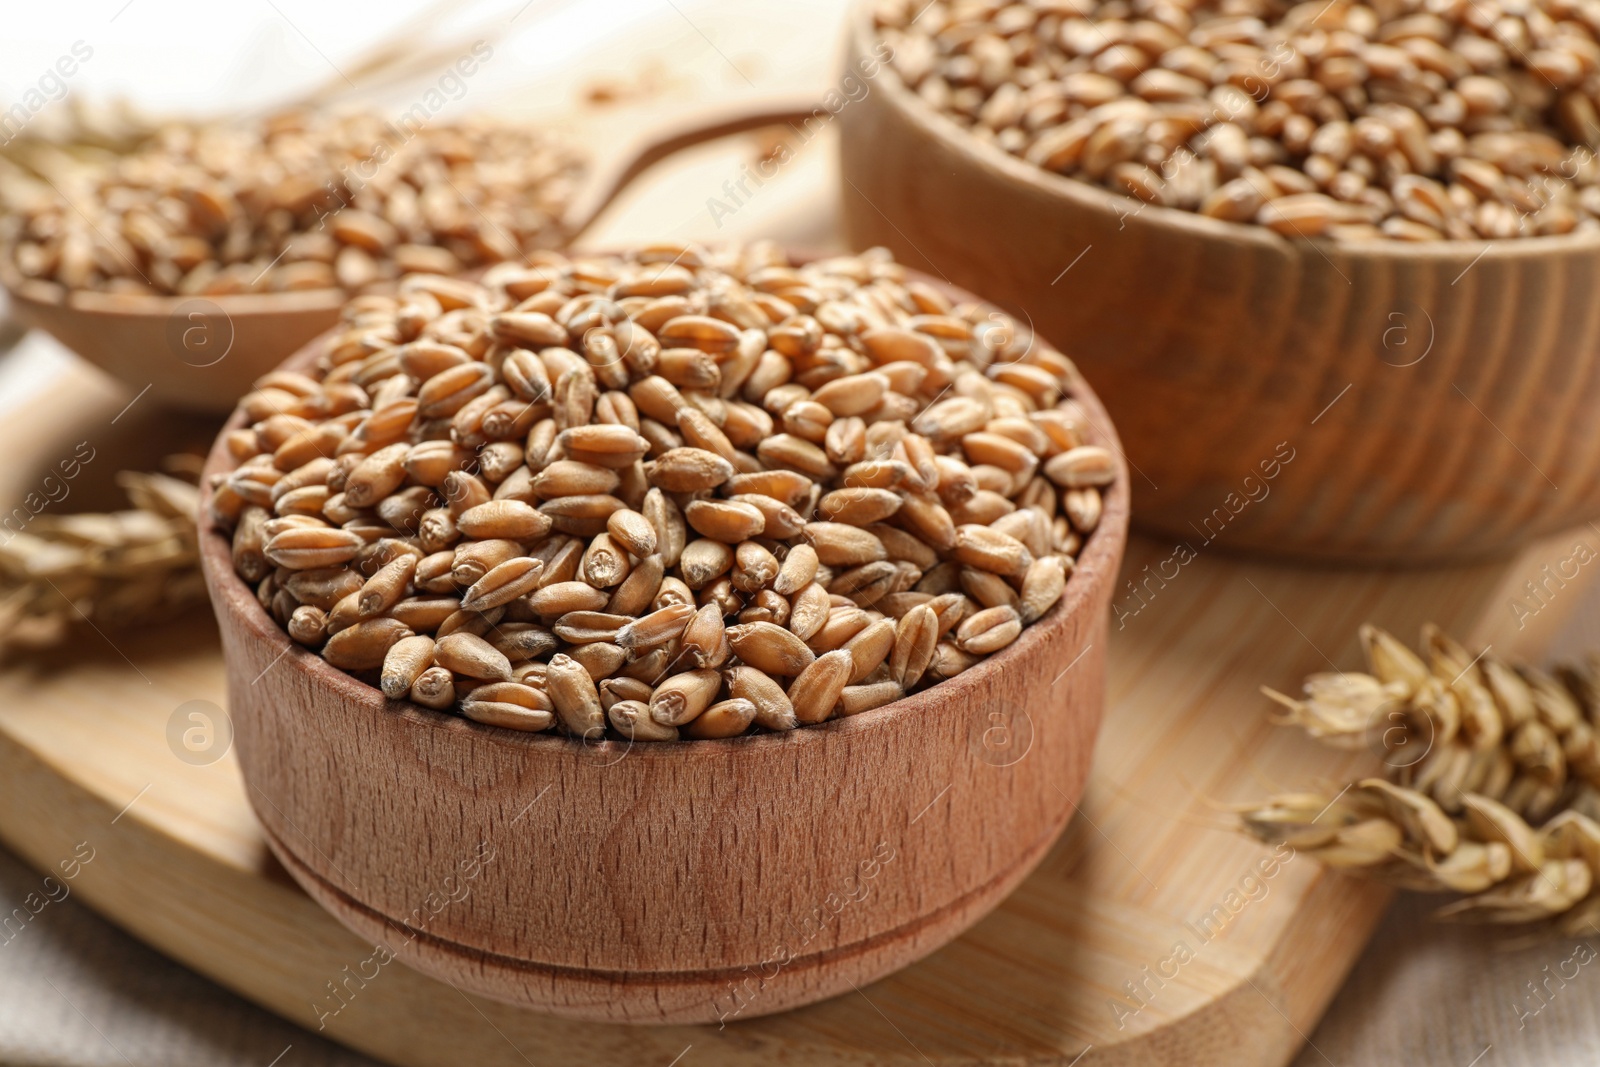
684, 697
364, 645
726, 718
854, 699
469, 654
631, 719
577, 701
404, 663
434, 688
509, 704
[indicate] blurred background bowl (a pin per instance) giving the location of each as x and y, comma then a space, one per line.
1383, 402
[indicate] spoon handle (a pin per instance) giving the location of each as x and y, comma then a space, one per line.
689, 128
11, 329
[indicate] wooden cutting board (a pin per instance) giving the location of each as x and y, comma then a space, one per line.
1082, 964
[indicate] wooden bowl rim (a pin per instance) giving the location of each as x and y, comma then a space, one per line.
1129, 210
93, 303
1095, 563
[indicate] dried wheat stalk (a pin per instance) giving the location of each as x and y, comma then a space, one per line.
1501, 750
112, 569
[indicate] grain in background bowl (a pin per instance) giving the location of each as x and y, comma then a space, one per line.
1438, 400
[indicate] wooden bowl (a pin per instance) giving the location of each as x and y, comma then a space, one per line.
1438, 401
669, 883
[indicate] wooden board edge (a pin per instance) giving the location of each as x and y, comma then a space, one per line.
49, 817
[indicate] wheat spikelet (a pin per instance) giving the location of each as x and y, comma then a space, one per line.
112, 569
1493, 784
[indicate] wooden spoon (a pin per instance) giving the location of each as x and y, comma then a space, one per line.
203, 352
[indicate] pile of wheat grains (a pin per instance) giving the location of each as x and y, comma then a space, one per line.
303, 200
1413, 120
674, 492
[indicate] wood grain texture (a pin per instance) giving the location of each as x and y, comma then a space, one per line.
680, 882
1440, 397
182, 862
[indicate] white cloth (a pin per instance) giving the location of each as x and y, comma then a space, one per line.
76, 991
